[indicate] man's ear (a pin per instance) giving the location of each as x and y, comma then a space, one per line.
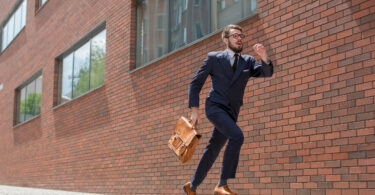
225, 40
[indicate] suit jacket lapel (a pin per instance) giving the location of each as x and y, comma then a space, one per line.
226, 62
240, 65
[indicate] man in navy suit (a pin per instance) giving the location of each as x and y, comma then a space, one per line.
229, 70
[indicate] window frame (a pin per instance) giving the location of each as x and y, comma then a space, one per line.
4, 24
218, 30
18, 90
84, 40
39, 5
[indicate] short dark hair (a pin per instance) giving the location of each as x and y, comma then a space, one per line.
225, 33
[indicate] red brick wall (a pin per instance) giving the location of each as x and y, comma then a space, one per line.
308, 130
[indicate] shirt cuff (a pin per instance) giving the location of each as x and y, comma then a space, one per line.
269, 61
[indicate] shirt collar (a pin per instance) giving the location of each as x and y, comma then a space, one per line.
231, 53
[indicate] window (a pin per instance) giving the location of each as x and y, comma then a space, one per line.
167, 25
82, 69
41, 3
198, 32
185, 3
160, 22
13, 25
29, 97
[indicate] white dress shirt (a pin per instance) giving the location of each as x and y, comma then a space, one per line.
231, 56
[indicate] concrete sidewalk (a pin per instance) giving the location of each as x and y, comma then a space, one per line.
13, 190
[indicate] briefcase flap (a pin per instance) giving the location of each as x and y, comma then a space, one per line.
184, 129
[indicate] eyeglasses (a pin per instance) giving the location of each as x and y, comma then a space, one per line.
236, 36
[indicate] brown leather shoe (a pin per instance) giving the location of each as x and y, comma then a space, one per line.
224, 190
188, 190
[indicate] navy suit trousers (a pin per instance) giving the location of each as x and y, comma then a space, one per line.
225, 128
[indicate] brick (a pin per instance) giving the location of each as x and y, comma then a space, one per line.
361, 14
333, 178
340, 156
334, 191
366, 191
369, 161
310, 185
296, 185
303, 191
361, 43
310, 172
341, 185
318, 191
328, 12
357, 140
367, 18
367, 131
344, 34
335, 149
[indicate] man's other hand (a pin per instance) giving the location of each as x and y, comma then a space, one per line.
194, 118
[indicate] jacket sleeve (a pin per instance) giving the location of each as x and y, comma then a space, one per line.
260, 70
198, 81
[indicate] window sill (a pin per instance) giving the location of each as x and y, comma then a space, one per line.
73, 100
27, 121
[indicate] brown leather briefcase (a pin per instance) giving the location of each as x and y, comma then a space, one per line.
184, 140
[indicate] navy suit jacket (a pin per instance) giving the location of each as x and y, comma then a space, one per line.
227, 86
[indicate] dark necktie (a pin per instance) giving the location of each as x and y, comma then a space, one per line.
235, 62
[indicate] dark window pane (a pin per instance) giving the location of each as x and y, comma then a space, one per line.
161, 22
198, 31
231, 11
200, 16
38, 95
97, 60
30, 101
188, 25
81, 70
152, 30
67, 79
178, 22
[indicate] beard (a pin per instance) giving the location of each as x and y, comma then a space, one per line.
234, 48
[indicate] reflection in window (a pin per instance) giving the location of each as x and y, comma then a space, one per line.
97, 60
231, 9
29, 100
67, 79
18, 20
21, 102
186, 21
38, 90
14, 25
83, 69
